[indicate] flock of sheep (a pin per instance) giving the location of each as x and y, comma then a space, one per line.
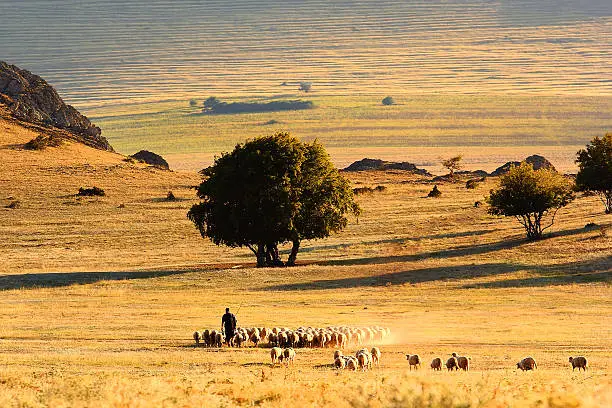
282, 337
283, 342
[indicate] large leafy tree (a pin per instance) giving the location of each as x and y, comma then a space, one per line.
595, 172
530, 195
272, 190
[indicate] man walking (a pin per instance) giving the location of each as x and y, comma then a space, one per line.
228, 325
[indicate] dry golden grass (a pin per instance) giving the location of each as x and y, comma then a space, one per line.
98, 302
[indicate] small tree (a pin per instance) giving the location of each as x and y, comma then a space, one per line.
529, 195
388, 101
193, 102
595, 172
305, 86
453, 164
272, 190
210, 103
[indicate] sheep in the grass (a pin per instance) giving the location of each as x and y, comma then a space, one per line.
351, 363
413, 360
205, 337
342, 340
282, 339
212, 338
436, 364
273, 339
375, 355
452, 364
340, 363
338, 353
289, 355
276, 355
364, 359
463, 362
579, 362
196, 337
526, 364
255, 339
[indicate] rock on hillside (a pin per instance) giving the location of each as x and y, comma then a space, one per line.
152, 159
538, 162
377, 164
30, 98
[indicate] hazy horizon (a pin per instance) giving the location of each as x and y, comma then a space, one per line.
107, 51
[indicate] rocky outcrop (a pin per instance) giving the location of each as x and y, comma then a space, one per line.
31, 99
152, 159
377, 164
538, 162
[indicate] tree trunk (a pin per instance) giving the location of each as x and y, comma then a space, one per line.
261, 255
609, 203
294, 251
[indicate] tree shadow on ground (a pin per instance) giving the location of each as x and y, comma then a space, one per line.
464, 250
597, 270
390, 241
398, 278
60, 279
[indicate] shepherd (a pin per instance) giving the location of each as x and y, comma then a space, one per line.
228, 325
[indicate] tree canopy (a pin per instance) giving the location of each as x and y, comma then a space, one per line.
529, 195
453, 164
271, 190
595, 172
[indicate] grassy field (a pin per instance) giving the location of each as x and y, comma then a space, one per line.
488, 129
99, 302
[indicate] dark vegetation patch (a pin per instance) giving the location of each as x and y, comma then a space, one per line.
42, 141
152, 159
13, 204
90, 192
473, 183
377, 164
435, 192
368, 190
170, 196
224, 108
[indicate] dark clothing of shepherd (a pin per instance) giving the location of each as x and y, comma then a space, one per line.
228, 321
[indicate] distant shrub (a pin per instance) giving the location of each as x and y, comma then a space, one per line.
477, 204
170, 196
368, 190
271, 122
305, 86
435, 192
388, 101
473, 183
13, 204
362, 190
284, 83
211, 103
193, 102
42, 141
93, 191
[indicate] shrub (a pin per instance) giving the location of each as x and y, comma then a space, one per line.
362, 190
529, 195
170, 196
388, 101
473, 183
193, 102
595, 174
93, 191
256, 107
435, 192
305, 86
42, 141
13, 204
